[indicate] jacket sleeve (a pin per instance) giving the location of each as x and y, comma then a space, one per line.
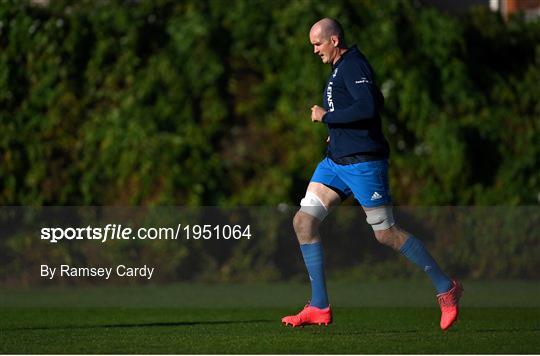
367, 97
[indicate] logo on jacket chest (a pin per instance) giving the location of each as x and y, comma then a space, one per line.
329, 87
329, 96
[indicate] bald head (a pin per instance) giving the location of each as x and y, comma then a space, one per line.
327, 38
327, 28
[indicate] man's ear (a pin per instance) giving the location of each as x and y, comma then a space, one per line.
335, 40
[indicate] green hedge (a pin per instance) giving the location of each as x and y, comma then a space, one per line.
207, 102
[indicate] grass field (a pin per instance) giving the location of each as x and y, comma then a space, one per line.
374, 317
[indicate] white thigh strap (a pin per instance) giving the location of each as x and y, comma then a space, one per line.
381, 218
311, 204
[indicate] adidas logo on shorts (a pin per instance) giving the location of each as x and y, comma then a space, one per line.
376, 196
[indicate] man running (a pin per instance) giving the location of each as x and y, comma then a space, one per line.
356, 164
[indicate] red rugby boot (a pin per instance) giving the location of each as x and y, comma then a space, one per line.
449, 303
309, 316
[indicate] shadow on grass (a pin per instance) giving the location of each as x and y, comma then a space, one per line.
514, 330
315, 331
146, 325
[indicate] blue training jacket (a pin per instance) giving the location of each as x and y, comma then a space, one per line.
353, 101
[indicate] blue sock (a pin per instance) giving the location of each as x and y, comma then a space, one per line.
313, 258
417, 253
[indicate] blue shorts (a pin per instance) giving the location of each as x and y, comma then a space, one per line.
367, 181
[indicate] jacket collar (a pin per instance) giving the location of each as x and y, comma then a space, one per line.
353, 49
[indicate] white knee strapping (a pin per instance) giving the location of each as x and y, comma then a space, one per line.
311, 204
380, 218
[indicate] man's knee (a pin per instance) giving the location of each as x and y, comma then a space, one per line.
393, 237
307, 219
305, 226
385, 237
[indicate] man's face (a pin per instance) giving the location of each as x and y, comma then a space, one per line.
324, 48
